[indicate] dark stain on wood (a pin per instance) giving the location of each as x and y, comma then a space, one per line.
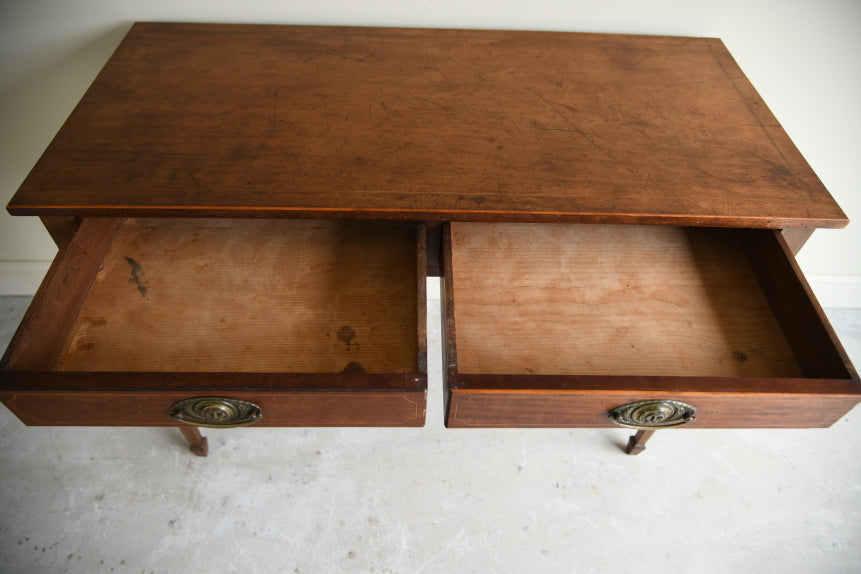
353, 367
138, 278
346, 334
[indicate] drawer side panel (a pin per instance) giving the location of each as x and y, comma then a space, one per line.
45, 327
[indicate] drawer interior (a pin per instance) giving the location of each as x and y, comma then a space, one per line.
246, 295
628, 300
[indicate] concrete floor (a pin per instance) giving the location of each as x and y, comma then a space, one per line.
430, 500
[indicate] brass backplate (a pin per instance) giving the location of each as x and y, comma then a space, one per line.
653, 414
215, 412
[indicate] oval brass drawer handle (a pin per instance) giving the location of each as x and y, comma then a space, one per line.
653, 415
215, 412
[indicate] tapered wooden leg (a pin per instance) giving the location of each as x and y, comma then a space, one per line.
197, 442
637, 443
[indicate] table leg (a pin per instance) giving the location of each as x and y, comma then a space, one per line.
197, 442
637, 443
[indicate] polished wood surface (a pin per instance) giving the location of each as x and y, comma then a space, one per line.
240, 120
254, 295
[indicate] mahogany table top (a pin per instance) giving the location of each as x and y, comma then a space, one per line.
295, 121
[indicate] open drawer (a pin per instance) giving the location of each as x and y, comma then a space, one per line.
292, 322
558, 325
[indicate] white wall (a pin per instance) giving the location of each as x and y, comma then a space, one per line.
802, 56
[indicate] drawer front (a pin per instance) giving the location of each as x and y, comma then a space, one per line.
568, 409
556, 325
289, 409
319, 323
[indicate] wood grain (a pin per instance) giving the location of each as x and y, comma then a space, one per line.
558, 299
240, 121
252, 295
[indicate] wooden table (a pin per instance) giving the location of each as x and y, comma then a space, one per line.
247, 216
